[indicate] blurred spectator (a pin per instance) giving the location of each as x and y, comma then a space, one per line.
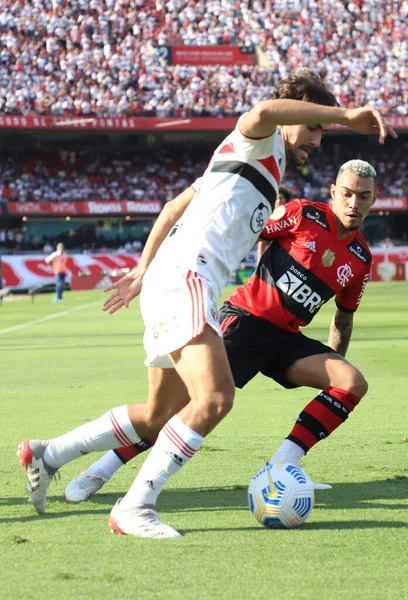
59, 262
161, 174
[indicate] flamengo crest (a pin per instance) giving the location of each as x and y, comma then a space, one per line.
344, 274
328, 258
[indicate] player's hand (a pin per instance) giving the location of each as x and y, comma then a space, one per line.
369, 120
124, 290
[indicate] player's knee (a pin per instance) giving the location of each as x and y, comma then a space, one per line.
155, 419
218, 406
355, 383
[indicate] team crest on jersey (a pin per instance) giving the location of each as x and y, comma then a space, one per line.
259, 218
344, 274
328, 258
278, 213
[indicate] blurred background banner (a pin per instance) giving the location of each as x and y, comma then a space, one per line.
30, 270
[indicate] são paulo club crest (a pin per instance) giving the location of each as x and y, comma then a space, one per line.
328, 258
259, 218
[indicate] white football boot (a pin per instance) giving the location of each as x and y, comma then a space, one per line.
84, 486
39, 474
140, 522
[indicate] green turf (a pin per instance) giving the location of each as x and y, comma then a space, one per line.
61, 372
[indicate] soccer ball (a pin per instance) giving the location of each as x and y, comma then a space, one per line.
281, 495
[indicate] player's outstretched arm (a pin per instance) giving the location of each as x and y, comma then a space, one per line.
369, 120
262, 244
341, 329
129, 286
265, 116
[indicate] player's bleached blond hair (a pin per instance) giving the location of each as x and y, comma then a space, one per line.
358, 167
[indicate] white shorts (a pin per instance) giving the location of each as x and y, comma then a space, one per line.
176, 304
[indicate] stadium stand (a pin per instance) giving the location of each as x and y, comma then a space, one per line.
104, 57
100, 58
87, 173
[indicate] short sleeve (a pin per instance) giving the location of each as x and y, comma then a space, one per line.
350, 297
197, 184
257, 148
285, 219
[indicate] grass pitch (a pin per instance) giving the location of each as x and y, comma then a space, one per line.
56, 373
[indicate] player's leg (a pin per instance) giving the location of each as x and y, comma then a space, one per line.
204, 367
245, 354
90, 481
167, 395
59, 286
116, 428
342, 387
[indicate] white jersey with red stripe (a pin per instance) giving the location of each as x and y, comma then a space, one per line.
227, 214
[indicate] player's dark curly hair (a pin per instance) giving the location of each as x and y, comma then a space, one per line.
305, 85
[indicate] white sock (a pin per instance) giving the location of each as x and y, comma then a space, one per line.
289, 452
112, 430
106, 466
176, 444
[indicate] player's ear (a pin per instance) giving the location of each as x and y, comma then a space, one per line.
332, 190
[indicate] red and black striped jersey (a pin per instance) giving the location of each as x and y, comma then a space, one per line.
304, 266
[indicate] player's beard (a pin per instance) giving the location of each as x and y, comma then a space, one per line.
351, 228
292, 157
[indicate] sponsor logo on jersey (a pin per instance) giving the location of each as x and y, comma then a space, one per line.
202, 259
292, 283
328, 258
259, 218
359, 252
344, 274
317, 217
310, 245
282, 225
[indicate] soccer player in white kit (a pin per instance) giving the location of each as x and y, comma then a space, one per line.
190, 381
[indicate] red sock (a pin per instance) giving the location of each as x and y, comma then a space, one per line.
322, 416
126, 453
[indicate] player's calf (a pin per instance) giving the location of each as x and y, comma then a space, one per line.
322, 416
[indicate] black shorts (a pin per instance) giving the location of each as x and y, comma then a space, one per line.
256, 346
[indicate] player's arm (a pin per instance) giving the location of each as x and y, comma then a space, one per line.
51, 257
171, 213
129, 286
264, 117
262, 244
341, 329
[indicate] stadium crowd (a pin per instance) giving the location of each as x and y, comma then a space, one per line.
103, 57
87, 173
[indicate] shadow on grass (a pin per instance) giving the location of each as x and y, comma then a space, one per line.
343, 496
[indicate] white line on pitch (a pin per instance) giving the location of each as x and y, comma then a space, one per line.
48, 317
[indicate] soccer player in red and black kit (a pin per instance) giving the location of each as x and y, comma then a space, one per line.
315, 252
